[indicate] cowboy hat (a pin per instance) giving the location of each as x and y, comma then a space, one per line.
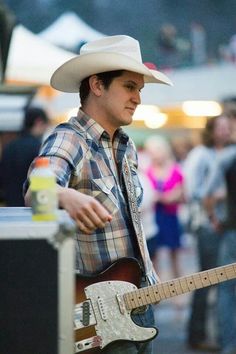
102, 55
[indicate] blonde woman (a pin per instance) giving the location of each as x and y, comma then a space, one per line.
167, 181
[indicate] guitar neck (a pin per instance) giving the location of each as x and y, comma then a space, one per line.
155, 293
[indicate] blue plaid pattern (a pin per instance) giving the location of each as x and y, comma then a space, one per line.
80, 152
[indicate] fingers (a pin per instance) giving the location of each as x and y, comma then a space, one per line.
88, 213
92, 216
83, 228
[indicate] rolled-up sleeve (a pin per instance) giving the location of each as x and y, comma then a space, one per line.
64, 150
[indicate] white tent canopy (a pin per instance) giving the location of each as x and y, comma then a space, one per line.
210, 82
32, 59
69, 31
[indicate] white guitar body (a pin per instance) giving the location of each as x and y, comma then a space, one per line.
113, 320
104, 303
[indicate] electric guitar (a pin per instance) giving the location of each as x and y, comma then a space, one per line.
104, 302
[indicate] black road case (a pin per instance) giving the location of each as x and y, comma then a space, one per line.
36, 283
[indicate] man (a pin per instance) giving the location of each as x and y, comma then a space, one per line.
19, 153
215, 137
223, 171
91, 153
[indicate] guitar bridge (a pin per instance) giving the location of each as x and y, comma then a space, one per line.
83, 315
88, 343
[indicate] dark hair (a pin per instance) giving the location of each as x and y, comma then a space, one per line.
106, 79
229, 106
208, 132
231, 99
32, 114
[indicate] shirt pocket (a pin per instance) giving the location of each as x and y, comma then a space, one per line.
103, 189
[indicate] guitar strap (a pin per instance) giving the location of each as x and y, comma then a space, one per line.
135, 215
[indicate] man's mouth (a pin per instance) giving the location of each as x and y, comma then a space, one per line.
131, 109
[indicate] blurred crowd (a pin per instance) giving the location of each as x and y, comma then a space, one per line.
194, 192
175, 50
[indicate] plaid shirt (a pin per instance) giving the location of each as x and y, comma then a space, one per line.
81, 155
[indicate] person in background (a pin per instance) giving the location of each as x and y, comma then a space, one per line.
215, 136
18, 154
167, 182
198, 38
95, 162
223, 171
180, 146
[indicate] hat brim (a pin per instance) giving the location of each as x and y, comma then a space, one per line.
68, 76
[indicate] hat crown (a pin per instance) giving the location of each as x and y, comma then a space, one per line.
121, 44
109, 53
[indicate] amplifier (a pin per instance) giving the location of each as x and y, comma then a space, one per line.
36, 283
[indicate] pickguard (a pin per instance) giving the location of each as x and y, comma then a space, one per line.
113, 320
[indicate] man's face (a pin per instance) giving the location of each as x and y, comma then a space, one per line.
120, 100
222, 130
233, 128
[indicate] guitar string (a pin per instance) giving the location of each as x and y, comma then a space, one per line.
164, 288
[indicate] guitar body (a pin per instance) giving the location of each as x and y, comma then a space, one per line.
104, 303
100, 315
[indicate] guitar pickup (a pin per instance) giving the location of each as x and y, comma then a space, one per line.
84, 315
86, 310
102, 308
121, 303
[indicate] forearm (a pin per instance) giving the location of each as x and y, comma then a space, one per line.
27, 198
209, 206
174, 196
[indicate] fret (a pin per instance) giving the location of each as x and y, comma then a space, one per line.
127, 300
230, 271
190, 282
161, 291
221, 275
184, 285
197, 281
156, 293
205, 278
178, 287
144, 296
212, 277
133, 300
172, 288
151, 294
138, 298
166, 290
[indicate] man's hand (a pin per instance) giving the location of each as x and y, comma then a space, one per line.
88, 213
209, 205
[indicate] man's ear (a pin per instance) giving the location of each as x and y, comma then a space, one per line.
96, 85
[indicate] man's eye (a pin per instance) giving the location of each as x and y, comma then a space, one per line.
130, 87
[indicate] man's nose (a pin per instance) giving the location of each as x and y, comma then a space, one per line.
136, 97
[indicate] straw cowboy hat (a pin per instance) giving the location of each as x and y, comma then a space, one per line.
105, 54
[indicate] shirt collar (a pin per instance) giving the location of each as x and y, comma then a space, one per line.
95, 130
